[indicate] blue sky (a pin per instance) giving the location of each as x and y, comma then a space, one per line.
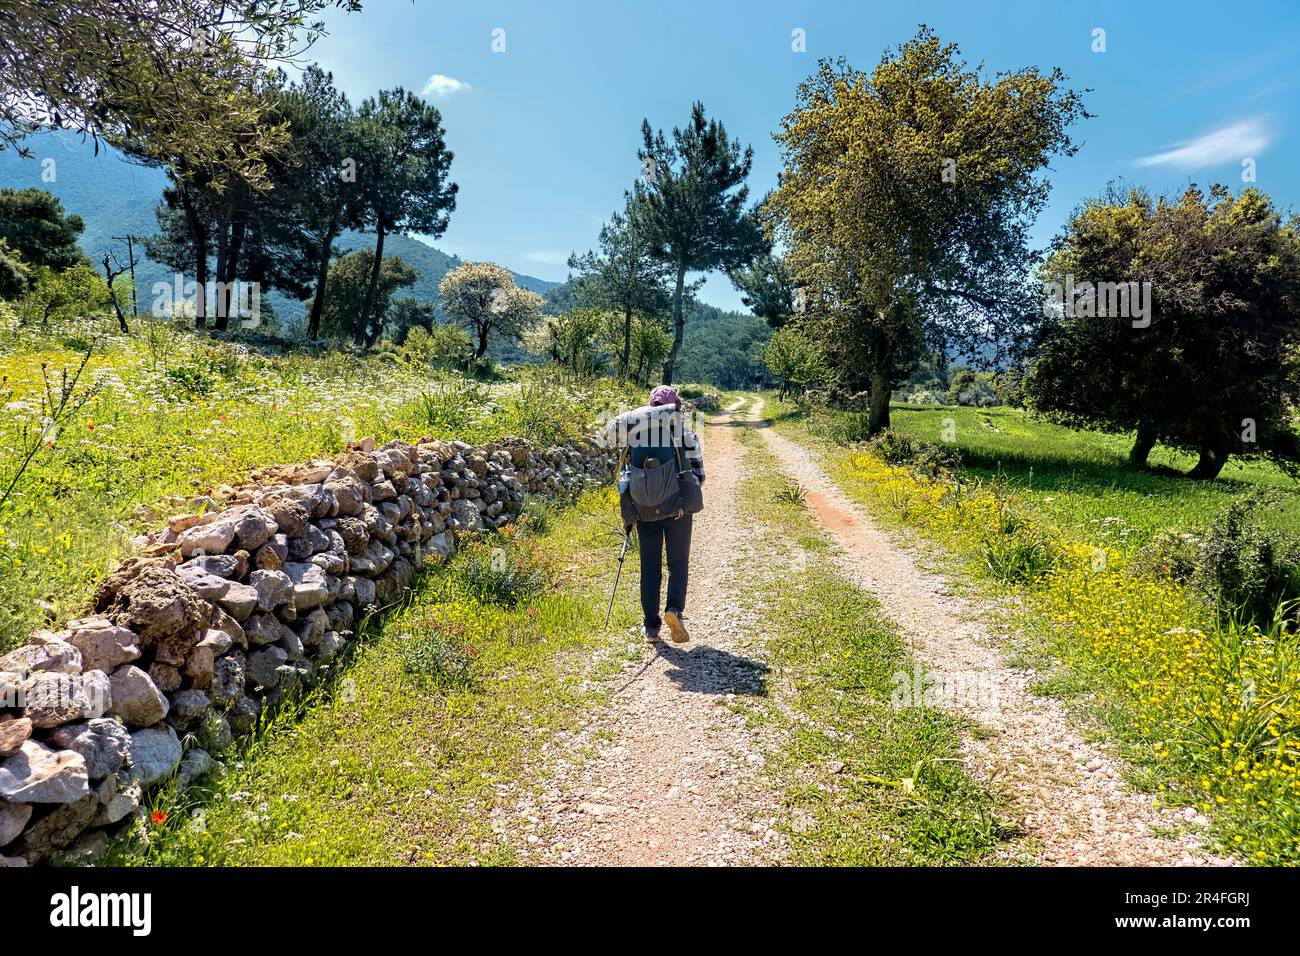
545, 133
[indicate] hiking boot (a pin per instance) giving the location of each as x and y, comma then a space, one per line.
651, 634
675, 627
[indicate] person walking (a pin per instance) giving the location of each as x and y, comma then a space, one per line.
661, 474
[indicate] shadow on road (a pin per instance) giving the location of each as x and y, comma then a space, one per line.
706, 670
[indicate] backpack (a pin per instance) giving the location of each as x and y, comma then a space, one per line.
658, 492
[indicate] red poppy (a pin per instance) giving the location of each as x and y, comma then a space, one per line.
158, 817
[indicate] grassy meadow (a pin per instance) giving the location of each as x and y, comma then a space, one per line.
1082, 479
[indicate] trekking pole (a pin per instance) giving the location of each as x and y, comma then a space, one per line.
627, 536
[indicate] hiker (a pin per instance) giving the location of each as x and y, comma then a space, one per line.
661, 470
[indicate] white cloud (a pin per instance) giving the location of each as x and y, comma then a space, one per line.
442, 86
1231, 143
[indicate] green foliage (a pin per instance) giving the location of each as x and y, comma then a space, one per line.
899, 448
651, 343
436, 657
624, 278
791, 493
14, 273
178, 77
767, 288
445, 347
495, 575
58, 296
574, 339
725, 349
1245, 568
1020, 556
793, 358
690, 205
971, 388
1214, 369
406, 187
34, 225
903, 202
348, 285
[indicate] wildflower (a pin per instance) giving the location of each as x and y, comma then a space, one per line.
158, 818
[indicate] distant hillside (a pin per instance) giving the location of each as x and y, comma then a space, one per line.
116, 197
724, 349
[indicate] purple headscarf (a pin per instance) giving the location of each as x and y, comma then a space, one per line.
663, 395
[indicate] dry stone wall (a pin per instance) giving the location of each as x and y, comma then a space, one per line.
237, 602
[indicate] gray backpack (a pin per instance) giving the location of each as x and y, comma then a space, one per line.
665, 490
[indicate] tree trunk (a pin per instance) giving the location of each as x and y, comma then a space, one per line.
1142, 445
626, 358
679, 325
878, 408
199, 235
483, 330
237, 233
112, 295
322, 278
361, 335
1213, 458
219, 320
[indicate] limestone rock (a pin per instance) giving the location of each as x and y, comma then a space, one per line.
254, 527
102, 742
310, 589
187, 707
263, 666
274, 588
228, 678
158, 605
56, 829
211, 538
195, 765
103, 645
136, 699
54, 656
155, 752
240, 601
12, 734
13, 817
51, 699
37, 774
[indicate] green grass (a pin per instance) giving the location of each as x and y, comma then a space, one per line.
865, 783
1082, 480
403, 757
171, 413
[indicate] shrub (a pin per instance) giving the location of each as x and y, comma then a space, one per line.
495, 576
971, 388
1171, 554
1244, 567
446, 347
190, 381
1021, 557
438, 658
899, 448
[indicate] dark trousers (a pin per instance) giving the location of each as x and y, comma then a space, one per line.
654, 537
